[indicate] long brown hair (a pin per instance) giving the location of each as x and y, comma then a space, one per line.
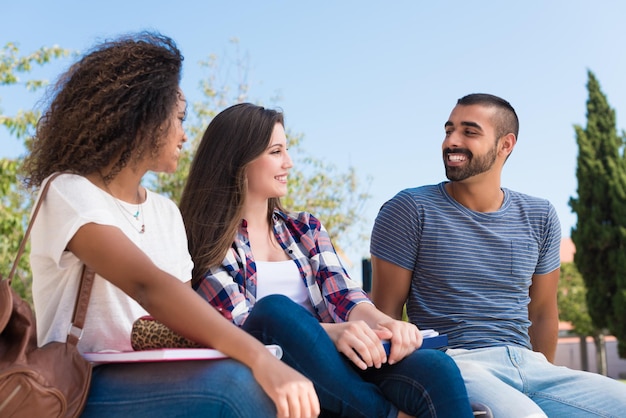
214, 194
106, 110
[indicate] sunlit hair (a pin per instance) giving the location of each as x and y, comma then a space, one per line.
215, 191
110, 109
506, 120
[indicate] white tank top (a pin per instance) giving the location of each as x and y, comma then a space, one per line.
282, 277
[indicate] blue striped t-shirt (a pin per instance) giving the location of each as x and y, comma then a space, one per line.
471, 270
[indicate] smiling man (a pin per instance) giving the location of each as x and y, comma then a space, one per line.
480, 263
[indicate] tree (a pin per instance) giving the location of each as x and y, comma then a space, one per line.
14, 199
600, 230
572, 302
335, 197
571, 296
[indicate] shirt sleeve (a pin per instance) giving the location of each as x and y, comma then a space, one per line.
550, 251
395, 235
223, 288
340, 291
71, 202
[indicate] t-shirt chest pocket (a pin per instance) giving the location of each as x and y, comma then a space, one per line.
524, 256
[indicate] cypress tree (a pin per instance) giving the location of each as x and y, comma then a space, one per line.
600, 231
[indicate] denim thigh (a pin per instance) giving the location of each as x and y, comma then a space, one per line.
276, 319
517, 382
215, 388
426, 383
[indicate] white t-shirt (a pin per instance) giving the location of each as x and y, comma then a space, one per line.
73, 201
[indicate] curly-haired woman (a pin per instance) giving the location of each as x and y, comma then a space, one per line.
116, 114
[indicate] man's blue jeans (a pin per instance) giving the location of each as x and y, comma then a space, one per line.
519, 383
213, 388
425, 384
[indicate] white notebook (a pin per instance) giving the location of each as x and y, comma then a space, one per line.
164, 354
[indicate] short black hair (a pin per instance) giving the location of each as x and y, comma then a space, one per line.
506, 118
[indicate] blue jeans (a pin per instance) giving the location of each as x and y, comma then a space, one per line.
425, 384
214, 388
516, 382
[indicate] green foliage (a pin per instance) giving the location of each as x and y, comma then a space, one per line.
600, 231
15, 201
12, 219
572, 302
11, 63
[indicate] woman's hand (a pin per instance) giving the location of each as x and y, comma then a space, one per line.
292, 393
405, 339
360, 343
362, 333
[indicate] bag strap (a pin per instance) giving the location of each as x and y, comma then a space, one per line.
75, 330
20, 251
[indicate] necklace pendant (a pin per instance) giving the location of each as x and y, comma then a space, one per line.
143, 229
136, 215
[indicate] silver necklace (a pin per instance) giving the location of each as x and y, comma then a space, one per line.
138, 213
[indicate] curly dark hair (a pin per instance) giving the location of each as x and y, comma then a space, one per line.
108, 109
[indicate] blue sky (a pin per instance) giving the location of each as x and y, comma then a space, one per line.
371, 83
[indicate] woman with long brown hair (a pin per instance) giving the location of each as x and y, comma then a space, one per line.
277, 275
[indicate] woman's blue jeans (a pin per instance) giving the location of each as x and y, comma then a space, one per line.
425, 384
213, 388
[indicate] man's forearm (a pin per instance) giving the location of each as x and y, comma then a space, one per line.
544, 335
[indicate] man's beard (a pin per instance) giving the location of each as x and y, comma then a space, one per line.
476, 165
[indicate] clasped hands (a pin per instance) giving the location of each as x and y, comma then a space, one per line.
362, 343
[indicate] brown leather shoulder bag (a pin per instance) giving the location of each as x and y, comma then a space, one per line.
48, 381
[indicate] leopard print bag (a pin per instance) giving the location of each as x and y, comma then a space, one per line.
150, 334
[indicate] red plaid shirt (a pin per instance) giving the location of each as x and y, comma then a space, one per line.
231, 287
